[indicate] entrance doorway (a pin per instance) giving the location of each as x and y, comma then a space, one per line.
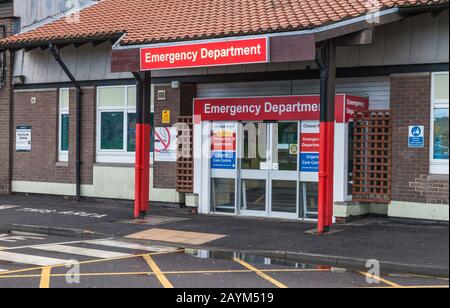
269, 169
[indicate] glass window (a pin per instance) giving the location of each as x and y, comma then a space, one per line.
64, 132
253, 195
309, 199
63, 128
441, 86
131, 99
255, 146
117, 124
223, 195
439, 124
287, 141
440, 150
64, 99
284, 196
111, 97
111, 131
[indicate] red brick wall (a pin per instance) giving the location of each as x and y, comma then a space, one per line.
179, 102
411, 179
41, 164
5, 120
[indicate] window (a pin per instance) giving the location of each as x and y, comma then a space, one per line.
116, 118
439, 123
63, 119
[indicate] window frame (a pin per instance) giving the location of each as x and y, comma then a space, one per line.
437, 166
63, 155
115, 156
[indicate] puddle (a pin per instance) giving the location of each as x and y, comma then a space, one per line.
249, 258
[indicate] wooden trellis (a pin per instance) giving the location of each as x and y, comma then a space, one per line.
372, 157
185, 163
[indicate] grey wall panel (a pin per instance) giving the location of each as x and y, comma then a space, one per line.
425, 36
41, 66
442, 48
373, 54
376, 88
84, 62
398, 43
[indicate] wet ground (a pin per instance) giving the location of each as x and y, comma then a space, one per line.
32, 261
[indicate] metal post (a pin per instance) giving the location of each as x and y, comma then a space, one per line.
143, 130
79, 94
327, 64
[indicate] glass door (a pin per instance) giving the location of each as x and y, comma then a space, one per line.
284, 173
269, 173
254, 174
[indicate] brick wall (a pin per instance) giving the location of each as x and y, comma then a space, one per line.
5, 120
411, 179
41, 164
179, 102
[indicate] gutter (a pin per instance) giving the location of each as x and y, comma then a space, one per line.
79, 93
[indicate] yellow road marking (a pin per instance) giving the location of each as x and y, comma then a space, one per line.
45, 278
385, 281
260, 273
159, 274
88, 262
172, 273
418, 276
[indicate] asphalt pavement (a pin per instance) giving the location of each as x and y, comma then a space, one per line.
43, 261
412, 247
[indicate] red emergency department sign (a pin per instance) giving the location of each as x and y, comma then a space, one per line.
277, 108
234, 52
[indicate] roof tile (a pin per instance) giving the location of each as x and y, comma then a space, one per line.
153, 21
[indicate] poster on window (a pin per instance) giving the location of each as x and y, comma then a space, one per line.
166, 144
223, 146
23, 139
309, 146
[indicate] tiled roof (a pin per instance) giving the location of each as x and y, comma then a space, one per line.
152, 21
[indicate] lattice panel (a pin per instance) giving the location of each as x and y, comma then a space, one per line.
185, 164
372, 157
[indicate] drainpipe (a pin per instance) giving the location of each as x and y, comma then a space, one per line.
327, 65
79, 93
143, 133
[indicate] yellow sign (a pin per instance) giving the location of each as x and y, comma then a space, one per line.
166, 117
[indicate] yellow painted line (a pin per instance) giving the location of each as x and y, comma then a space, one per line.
385, 281
171, 273
88, 262
260, 273
159, 274
418, 276
45, 278
426, 287
3, 248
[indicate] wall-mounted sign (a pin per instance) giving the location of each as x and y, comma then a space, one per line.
166, 144
165, 117
223, 146
23, 139
309, 146
229, 52
416, 138
278, 108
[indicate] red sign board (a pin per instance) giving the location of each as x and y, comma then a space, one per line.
234, 52
309, 142
221, 142
277, 108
